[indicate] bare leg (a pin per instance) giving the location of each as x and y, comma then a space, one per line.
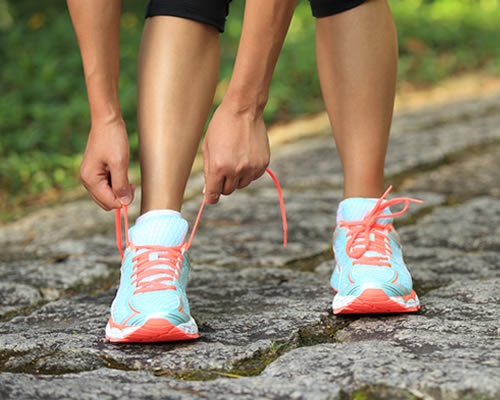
357, 63
178, 71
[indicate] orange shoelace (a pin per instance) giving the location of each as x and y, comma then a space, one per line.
368, 235
170, 256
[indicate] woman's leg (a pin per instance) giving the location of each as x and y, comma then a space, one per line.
357, 63
178, 71
357, 60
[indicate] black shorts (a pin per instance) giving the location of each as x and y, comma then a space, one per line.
214, 12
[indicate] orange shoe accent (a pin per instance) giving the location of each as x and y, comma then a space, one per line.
154, 330
376, 301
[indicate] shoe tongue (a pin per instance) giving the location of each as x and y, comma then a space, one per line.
357, 208
161, 230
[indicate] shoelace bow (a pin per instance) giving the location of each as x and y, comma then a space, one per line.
170, 256
368, 235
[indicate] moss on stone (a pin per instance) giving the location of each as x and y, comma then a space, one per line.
379, 392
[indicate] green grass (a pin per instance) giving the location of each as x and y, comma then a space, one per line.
44, 117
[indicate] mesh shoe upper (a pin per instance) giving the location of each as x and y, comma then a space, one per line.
154, 276
368, 250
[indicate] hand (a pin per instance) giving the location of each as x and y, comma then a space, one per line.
104, 169
235, 151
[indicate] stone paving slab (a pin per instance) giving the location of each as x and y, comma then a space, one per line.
48, 278
68, 335
263, 310
114, 384
463, 178
448, 350
472, 227
17, 296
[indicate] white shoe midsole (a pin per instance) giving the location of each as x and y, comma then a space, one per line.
117, 333
189, 327
408, 303
342, 301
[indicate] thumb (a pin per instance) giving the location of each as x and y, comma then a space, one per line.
120, 185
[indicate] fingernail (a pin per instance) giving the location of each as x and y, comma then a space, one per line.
125, 199
204, 189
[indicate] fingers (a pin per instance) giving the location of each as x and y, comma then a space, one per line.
101, 186
214, 184
226, 183
119, 182
212, 188
238, 181
226, 177
244, 182
100, 190
261, 172
104, 206
230, 184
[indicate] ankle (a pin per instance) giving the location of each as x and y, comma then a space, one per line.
363, 191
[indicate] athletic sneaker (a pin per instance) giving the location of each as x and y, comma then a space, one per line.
151, 303
370, 275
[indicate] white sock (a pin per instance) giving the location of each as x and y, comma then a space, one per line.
154, 213
159, 227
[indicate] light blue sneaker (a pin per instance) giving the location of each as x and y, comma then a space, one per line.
370, 275
151, 303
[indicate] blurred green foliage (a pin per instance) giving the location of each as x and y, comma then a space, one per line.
44, 117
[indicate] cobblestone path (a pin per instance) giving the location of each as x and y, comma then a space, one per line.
264, 313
